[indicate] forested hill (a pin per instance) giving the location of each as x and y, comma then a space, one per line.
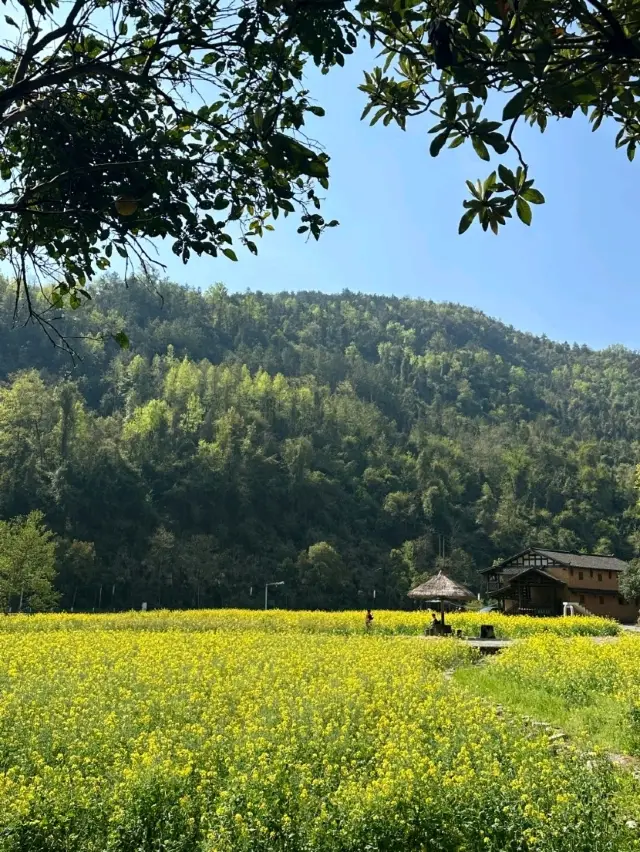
333, 442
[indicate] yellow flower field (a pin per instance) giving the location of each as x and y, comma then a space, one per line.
204, 740
591, 690
385, 622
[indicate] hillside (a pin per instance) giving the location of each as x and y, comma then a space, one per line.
334, 442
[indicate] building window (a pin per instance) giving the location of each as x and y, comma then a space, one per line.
601, 599
610, 575
591, 572
581, 599
580, 575
600, 577
526, 593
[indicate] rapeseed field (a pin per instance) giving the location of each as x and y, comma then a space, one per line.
591, 689
386, 623
244, 740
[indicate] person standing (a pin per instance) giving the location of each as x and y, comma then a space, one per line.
368, 620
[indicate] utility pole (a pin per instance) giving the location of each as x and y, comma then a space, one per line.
266, 592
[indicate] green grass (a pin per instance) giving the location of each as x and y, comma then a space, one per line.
603, 723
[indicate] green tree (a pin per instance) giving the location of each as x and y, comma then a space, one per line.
630, 581
27, 564
112, 125
185, 121
322, 575
485, 69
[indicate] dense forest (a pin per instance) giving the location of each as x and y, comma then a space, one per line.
341, 444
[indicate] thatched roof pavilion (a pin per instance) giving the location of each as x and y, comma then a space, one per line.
442, 588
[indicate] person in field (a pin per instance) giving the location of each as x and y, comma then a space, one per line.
368, 620
435, 625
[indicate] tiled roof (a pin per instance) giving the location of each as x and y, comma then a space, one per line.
564, 557
580, 560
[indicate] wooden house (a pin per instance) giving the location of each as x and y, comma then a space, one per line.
539, 581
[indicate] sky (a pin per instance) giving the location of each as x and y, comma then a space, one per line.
571, 275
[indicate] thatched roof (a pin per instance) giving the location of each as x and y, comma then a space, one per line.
442, 587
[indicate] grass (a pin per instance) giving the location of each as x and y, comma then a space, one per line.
603, 723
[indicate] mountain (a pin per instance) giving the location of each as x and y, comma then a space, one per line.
339, 443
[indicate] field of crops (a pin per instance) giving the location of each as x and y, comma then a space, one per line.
244, 740
591, 689
386, 623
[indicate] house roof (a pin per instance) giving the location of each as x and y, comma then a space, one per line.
529, 569
442, 587
581, 560
564, 557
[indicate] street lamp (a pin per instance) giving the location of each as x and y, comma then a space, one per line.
266, 591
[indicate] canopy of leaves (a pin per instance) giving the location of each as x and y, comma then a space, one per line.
484, 69
27, 564
338, 443
122, 121
125, 121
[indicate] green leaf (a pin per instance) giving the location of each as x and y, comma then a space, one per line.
480, 148
316, 168
497, 142
122, 340
317, 110
631, 151
507, 176
477, 193
523, 210
465, 222
11, 22
533, 196
489, 183
516, 105
437, 143
451, 104
220, 202
230, 253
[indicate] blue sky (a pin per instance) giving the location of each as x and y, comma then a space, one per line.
571, 275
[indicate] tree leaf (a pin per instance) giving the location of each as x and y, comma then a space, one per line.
122, 340
507, 176
437, 143
230, 253
523, 210
516, 105
466, 220
316, 168
489, 183
480, 148
533, 196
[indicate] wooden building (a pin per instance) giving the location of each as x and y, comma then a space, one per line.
539, 581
